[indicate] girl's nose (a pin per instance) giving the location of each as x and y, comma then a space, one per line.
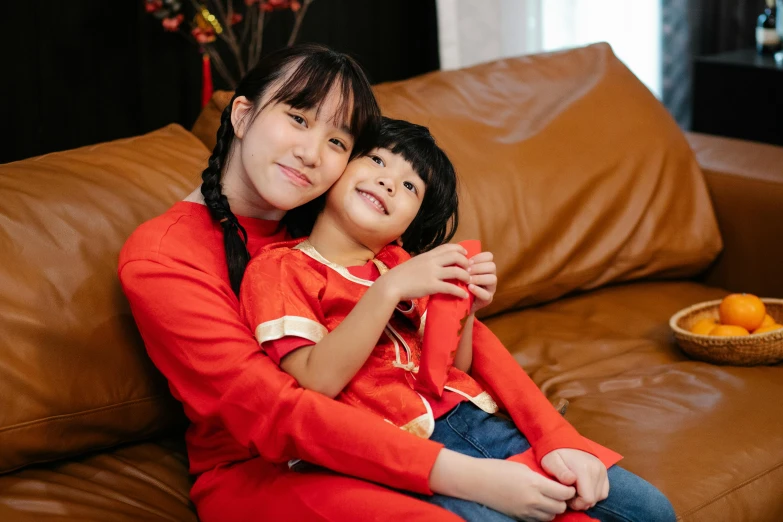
309, 151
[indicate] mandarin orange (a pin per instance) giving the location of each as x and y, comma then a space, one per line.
745, 310
703, 326
770, 328
728, 330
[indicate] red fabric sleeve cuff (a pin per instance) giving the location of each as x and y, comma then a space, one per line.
566, 437
279, 348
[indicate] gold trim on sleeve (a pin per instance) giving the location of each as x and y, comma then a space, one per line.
483, 400
290, 325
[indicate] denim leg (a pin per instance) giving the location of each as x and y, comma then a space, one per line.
632, 499
471, 431
468, 430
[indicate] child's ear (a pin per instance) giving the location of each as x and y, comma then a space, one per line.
399, 242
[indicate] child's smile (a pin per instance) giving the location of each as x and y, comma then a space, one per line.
375, 200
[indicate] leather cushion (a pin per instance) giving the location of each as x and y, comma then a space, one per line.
710, 437
571, 172
74, 375
136, 482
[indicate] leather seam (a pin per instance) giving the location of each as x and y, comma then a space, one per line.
68, 416
732, 489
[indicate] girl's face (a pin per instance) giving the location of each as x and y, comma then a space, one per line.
284, 157
377, 198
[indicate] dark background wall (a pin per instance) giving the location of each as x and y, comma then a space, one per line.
85, 71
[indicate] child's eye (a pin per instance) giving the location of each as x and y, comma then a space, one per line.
410, 186
339, 143
378, 160
298, 119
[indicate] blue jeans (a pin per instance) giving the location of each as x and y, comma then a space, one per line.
471, 431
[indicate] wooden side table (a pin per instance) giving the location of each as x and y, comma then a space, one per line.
739, 94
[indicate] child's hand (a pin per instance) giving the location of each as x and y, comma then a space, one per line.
580, 469
483, 280
426, 274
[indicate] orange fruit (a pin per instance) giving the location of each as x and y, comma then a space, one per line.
703, 326
770, 328
728, 330
768, 321
745, 310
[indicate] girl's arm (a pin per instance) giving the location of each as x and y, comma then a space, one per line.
191, 327
464, 357
193, 333
328, 366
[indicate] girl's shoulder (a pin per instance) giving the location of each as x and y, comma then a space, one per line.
180, 232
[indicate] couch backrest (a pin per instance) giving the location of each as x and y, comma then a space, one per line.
74, 375
571, 171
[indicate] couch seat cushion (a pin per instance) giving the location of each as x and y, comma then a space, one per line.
137, 482
710, 437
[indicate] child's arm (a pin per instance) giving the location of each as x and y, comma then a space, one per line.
464, 357
330, 364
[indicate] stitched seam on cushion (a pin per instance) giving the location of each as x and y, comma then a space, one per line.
592, 273
732, 489
152, 480
68, 416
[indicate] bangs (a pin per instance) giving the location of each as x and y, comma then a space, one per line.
315, 77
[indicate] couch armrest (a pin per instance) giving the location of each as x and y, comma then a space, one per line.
745, 181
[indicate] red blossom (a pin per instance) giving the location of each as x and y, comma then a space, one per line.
172, 24
152, 5
236, 18
203, 36
279, 5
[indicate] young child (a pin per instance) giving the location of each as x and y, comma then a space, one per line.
343, 312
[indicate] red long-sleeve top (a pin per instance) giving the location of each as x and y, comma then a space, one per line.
241, 405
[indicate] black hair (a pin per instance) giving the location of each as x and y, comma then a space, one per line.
437, 219
314, 71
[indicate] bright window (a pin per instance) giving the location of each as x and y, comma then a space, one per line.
631, 27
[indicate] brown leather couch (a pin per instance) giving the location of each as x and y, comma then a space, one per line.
604, 224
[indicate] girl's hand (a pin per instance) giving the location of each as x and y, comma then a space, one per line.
483, 280
427, 274
582, 470
509, 487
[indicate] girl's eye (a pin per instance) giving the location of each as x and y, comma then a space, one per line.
298, 119
410, 186
339, 143
378, 160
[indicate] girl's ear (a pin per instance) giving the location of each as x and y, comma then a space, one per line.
399, 242
241, 110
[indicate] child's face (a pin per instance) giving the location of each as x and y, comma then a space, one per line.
376, 198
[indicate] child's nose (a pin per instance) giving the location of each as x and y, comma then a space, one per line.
387, 185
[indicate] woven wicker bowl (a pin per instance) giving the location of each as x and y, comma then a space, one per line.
766, 348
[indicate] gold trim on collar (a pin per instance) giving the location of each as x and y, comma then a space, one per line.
290, 325
308, 249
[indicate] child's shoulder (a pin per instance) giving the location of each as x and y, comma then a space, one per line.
284, 258
392, 255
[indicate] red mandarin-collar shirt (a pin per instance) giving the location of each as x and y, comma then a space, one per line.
241, 405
